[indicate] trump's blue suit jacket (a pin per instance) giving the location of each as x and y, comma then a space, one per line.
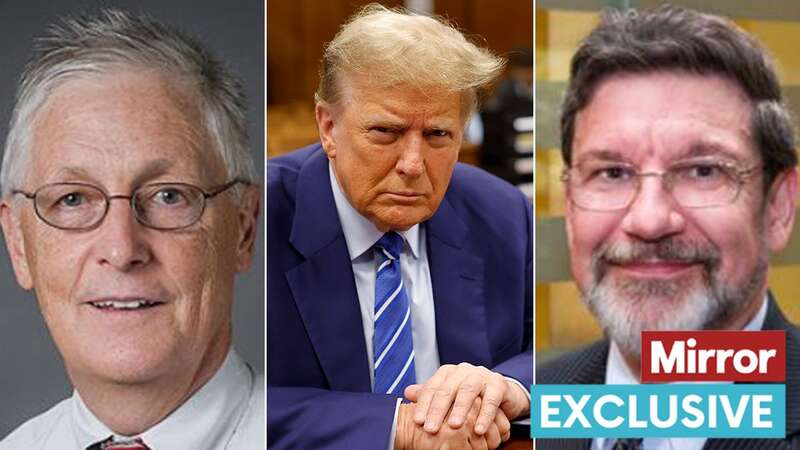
480, 258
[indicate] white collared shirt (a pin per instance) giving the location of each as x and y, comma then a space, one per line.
227, 413
360, 235
618, 372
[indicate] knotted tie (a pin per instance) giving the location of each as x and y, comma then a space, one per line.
392, 343
124, 444
628, 444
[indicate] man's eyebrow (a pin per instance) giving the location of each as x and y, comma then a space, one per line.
384, 120
72, 172
709, 148
602, 154
441, 123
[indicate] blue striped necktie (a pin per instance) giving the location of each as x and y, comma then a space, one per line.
392, 342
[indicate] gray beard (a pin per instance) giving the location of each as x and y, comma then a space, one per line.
625, 307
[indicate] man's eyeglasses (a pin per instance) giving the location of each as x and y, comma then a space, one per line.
161, 206
611, 185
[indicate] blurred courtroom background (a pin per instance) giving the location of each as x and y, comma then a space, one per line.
502, 142
562, 322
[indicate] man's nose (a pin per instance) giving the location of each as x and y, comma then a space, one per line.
412, 159
121, 243
653, 213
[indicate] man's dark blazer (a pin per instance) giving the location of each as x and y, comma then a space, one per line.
588, 366
480, 259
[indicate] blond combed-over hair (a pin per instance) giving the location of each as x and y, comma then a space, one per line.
390, 47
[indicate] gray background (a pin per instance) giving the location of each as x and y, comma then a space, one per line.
32, 377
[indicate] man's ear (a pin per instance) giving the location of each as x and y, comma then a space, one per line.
15, 244
249, 208
568, 215
779, 210
325, 124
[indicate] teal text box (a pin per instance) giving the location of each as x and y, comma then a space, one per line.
647, 410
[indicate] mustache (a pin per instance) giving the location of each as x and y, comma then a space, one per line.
669, 249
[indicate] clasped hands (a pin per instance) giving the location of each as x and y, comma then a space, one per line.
460, 407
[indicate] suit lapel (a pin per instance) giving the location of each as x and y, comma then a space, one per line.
323, 285
587, 367
775, 320
590, 367
592, 371
745, 444
458, 294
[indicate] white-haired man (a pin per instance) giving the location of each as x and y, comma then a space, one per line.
128, 206
391, 268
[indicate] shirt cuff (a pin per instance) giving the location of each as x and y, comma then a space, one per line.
525, 391
394, 425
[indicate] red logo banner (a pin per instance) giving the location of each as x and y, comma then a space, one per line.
754, 356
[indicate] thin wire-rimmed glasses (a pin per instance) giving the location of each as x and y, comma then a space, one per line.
161, 206
611, 185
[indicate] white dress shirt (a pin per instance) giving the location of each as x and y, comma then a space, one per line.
360, 235
227, 413
618, 372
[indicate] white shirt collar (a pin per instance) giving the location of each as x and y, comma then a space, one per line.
359, 233
208, 419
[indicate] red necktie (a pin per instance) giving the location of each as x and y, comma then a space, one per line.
126, 444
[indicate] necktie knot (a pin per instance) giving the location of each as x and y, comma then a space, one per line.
391, 243
116, 444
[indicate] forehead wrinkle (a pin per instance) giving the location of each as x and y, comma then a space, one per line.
68, 123
698, 139
417, 106
431, 114
610, 95
700, 143
187, 166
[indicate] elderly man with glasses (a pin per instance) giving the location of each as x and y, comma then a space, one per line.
680, 180
129, 205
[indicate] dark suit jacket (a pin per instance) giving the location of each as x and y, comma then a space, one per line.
588, 366
480, 257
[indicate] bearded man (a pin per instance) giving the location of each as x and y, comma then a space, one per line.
680, 179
